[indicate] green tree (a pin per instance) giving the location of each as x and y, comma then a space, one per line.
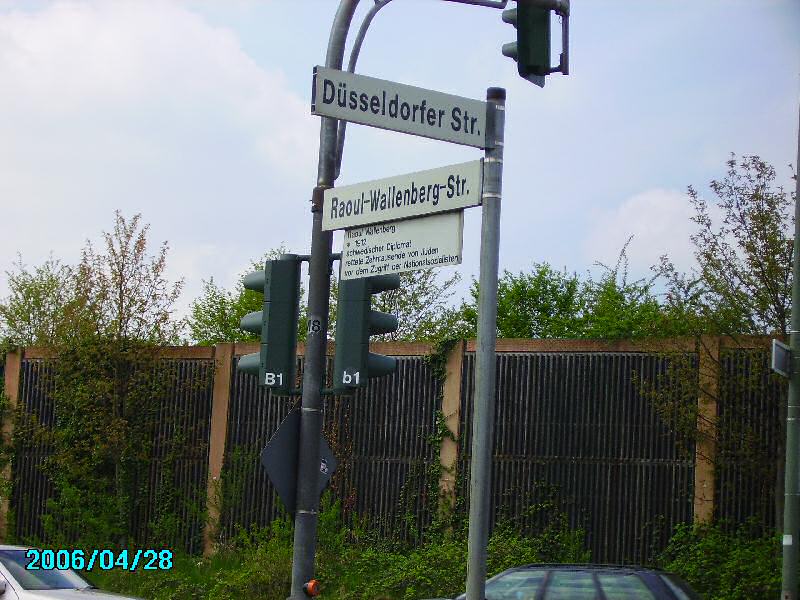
32, 313
740, 285
214, 317
544, 303
421, 305
549, 304
616, 308
122, 293
743, 279
108, 385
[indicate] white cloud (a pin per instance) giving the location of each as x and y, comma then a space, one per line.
96, 64
659, 221
147, 108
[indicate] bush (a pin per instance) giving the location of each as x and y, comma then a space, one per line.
352, 563
439, 567
258, 565
725, 563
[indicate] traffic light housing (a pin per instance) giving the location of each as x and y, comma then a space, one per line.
275, 364
354, 364
532, 48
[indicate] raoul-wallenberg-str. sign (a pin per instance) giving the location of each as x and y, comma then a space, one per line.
398, 107
444, 189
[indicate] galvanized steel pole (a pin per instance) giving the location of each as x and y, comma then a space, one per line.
308, 464
791, 507
485, 360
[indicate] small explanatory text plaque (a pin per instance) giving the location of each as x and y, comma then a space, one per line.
409, 245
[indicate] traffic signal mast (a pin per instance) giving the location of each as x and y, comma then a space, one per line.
354, 364
275, 364
532, 48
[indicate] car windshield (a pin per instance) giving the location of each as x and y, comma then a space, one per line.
16, 561
567, 584
516, 585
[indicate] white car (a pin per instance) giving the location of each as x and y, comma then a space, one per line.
19, 583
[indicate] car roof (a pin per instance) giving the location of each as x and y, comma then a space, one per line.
10, 547
588, 567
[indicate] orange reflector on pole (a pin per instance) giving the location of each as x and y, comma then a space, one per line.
311, 588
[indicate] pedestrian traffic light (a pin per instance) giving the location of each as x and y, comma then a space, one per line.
532, 48
354, 364
275, 364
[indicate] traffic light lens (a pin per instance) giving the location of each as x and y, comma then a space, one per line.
252, 322
250, 363
382, 323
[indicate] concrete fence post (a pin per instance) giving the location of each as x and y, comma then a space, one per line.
706, 448
11, 391
451, 409
223, 373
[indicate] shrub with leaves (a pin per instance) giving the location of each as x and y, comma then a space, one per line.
725, 564
257, 564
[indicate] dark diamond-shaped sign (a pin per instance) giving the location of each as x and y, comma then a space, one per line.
279, 458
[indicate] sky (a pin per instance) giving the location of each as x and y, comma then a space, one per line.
196, 114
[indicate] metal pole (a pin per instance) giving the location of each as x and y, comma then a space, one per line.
351, 67
791, 506
483, 401
308, 464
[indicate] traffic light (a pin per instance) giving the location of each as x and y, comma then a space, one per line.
275, 365
354, 364
532, 48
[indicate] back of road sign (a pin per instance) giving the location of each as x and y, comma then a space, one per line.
781, 359
279, 458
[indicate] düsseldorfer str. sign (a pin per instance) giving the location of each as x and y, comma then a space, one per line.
399, 107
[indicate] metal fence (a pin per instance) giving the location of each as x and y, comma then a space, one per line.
571, 428
31, 488
171, 490
380, 436
248, 498
750, 437
389, 475
574, 429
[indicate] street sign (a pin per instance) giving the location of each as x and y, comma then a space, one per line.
409, 245
781, 359
403, 196
279, 458
399, 107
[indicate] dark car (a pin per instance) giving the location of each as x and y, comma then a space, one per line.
586, 582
